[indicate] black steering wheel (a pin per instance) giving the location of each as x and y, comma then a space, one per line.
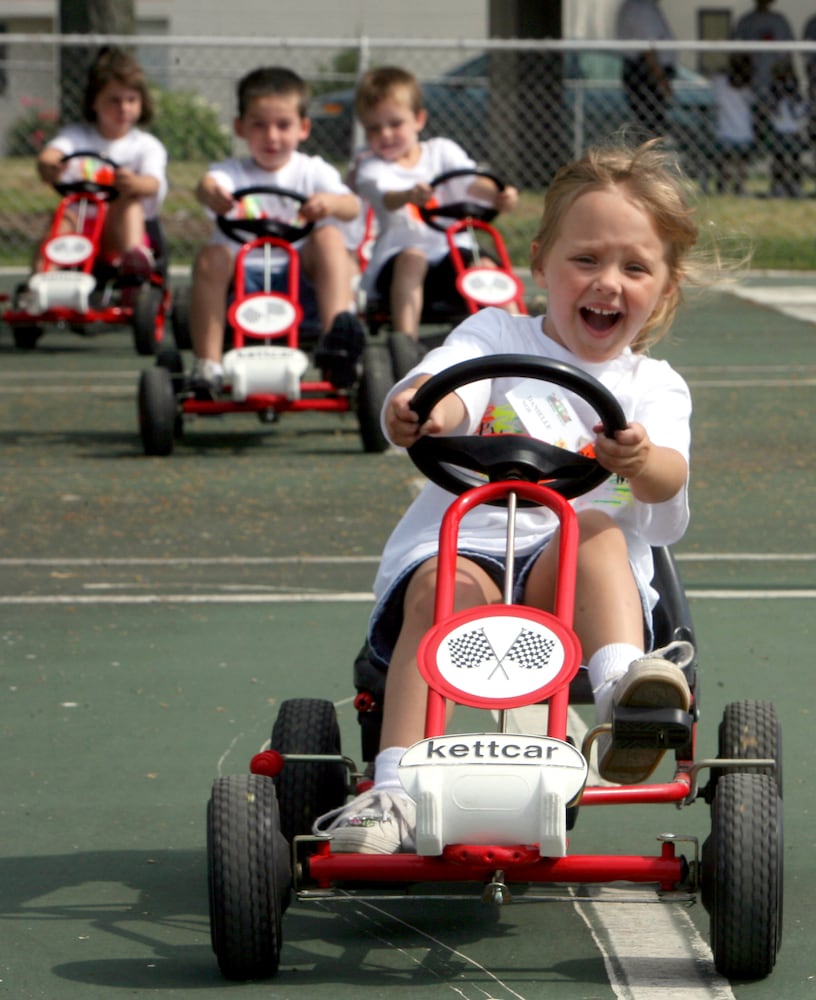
458, 463
433, 215
246, 230
106, 192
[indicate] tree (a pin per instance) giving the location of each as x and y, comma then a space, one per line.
87, 17
528, 90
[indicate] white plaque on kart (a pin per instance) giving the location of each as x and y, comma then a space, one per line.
69, 250
499, 656
488, 286
264, 314
492, 788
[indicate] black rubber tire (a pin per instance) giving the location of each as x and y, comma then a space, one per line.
180, 318
742, 875
307, 790
157, 410
750, 729
146, 306
26, 337
405, 353
249, 875
375, 384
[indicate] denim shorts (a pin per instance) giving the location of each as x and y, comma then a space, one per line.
386, 619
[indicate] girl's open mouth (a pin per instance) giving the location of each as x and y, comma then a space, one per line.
600, 320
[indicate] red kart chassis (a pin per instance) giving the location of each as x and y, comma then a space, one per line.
518, 863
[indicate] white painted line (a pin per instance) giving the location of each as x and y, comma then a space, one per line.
651, 949
362, 560
243, 598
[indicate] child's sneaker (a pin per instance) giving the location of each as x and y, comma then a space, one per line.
655, 680
206, 379
339, 350
138, 262
380, 821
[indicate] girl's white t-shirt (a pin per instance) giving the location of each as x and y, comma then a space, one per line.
649, 392
138, 151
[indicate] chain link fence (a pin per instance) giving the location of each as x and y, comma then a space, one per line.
521, 108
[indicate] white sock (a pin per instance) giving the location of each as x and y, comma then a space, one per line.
606, 666
386, 772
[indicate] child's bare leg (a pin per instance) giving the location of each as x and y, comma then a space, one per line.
124, 226
208, 302
609, 623
326, 262
406, 692
607, 602
407, 287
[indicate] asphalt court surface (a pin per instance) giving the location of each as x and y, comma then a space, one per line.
155, 611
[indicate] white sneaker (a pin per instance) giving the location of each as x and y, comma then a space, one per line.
380, 821
206, 379
655, 680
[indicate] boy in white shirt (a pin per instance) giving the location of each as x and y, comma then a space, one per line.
272, 105
410, 260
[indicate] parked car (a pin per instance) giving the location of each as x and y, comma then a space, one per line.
593, 106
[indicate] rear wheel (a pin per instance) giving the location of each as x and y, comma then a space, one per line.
751, 729
405, 352
375, 384
26, 337
309, 789
146, 307
180, 319
157, 411
742, 875
249, 875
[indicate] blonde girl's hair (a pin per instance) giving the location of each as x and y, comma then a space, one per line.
651, 176
388, 82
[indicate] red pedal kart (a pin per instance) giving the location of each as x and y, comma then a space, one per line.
496, 808
265, 371
74, 286
483, 277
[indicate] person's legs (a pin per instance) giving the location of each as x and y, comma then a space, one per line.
609, 623
327, 264
407, 291
124, 227
212, 274
382, 820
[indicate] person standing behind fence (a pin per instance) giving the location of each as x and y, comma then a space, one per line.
647, 74
764, 25
789, 123
809, 35
735, 123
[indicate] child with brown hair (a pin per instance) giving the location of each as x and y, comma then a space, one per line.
117, 101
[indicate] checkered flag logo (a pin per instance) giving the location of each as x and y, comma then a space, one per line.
471, 649
529, 650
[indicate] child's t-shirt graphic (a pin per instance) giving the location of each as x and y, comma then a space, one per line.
546, 413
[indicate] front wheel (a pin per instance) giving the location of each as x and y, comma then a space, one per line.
145, 319
742, 875
375, 384
249, 875
26, 337
157, 411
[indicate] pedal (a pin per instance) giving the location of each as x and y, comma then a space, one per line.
665, 728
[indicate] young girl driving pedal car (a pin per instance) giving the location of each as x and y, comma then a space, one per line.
615, 242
